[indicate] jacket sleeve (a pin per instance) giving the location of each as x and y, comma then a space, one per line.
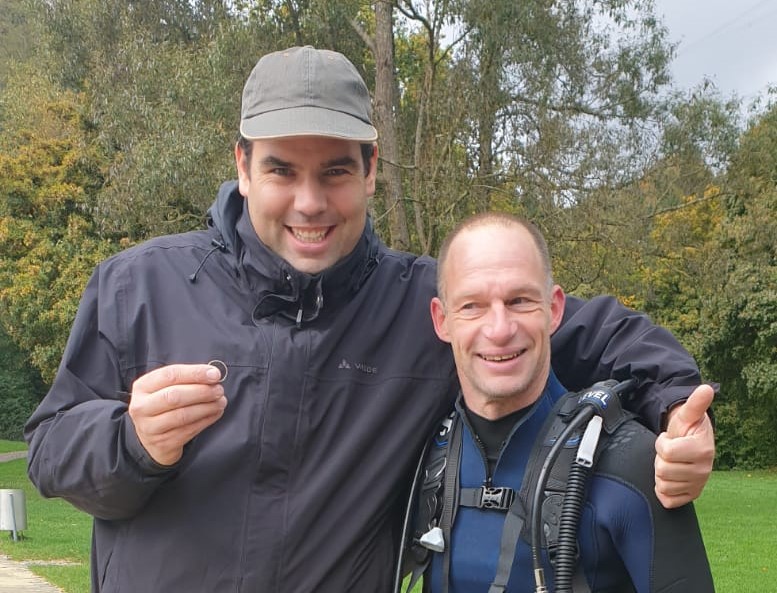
82, 443
601, 339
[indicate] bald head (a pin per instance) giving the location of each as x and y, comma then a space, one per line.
496, 220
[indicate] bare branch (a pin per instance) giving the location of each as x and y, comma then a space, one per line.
686, 205
445, 53
399, 165
411, 13
368, 41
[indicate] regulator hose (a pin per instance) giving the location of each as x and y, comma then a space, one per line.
572, 508
580, 418
593, 407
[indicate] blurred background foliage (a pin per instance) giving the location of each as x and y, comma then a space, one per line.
118, 120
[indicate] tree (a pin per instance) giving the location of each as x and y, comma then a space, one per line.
528, 106
20, 389
48, 242
685, 263
123, 126
86, 36
18, 31
741, 321
645, 239
386, 108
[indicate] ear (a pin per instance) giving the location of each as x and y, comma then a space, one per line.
373, 174
437, 309
557, 301
243, 170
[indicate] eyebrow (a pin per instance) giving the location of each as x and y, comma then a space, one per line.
343, 161
272, 161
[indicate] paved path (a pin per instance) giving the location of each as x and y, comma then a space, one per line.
15, 577
12, 455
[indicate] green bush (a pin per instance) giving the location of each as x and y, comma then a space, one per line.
20, 389
744, 438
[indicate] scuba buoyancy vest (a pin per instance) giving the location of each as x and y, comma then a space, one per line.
554, 480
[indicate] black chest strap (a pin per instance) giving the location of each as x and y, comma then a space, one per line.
450, 496
511, 533
424, 510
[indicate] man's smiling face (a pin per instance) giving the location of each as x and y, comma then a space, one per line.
498, 313
307, 197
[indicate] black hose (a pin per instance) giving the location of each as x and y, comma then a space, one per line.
574, 496
566, 552
583, 416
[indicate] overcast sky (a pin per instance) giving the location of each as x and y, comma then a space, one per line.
731, 42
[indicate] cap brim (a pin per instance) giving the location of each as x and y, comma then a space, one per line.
307, 121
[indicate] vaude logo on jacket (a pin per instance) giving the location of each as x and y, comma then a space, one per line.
359, 366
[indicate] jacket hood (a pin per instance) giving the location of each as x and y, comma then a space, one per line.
280, 287
223, 214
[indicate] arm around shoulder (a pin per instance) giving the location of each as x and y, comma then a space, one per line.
601, 339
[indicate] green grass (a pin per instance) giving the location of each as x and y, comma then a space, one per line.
736, 513
57, 538
9, 446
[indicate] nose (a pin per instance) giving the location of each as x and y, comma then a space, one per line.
309, 197
500, 327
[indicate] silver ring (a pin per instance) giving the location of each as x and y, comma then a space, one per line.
222, 367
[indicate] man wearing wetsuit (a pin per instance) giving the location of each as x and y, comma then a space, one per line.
498, 307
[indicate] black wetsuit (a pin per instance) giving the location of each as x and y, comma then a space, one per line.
628, 541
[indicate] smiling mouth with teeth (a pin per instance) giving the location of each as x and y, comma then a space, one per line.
500, 358
309, 235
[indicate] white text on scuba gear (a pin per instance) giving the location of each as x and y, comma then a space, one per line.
597, 397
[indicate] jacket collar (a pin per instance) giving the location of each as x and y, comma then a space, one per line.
281, 288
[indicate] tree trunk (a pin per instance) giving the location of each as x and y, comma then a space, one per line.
386, 124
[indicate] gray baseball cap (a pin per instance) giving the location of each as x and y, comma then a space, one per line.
304, 91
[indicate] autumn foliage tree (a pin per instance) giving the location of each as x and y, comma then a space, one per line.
740, 349
48, 244
118, 123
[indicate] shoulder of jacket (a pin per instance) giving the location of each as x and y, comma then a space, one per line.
409, 264
168, 257
179, 244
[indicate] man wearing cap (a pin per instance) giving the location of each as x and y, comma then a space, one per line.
282, 464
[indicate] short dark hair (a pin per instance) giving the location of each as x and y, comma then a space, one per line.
367, 149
